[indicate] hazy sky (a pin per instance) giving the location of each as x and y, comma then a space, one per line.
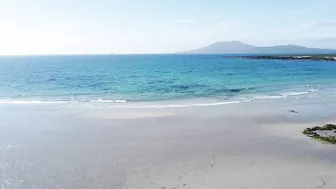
160, 26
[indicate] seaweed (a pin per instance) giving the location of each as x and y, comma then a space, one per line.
310, 132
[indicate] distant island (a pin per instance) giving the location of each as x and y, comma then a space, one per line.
238, 47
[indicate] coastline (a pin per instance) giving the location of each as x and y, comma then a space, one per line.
321, 57
168, 94
257, 144
302, 92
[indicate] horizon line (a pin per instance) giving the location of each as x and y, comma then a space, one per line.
164, 53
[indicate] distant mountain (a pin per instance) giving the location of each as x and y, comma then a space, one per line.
237, 47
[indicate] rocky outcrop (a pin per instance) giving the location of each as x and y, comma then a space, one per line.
305, 57
326, 133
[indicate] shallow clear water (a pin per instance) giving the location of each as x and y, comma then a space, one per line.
125, 78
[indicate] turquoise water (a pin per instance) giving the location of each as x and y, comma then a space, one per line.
132, 78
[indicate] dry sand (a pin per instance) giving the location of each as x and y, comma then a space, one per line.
249, 145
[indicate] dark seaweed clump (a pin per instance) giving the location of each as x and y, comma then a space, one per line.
310, 132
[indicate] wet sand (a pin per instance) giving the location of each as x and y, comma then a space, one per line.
248, 145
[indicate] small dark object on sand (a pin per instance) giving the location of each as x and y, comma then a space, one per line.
293, 111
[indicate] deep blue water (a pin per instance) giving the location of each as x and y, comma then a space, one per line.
106, 78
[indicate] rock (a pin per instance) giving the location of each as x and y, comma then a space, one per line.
322, 133
293, 111
296, 57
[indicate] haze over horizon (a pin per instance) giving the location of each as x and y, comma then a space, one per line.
147, 26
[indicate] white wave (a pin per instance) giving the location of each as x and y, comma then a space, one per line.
102, 101
294, 93
31, 102
282, 95
268, 97
197, 104
108, 101
59, 101
120, 101
174, 104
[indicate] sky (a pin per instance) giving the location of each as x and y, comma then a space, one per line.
29, 27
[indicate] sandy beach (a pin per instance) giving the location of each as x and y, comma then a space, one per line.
167, 94
246, 145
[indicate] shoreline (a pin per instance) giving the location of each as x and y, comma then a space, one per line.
174, 103
326, 57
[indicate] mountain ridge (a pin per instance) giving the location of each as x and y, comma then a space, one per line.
238, 47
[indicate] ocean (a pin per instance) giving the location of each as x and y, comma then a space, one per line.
185, 80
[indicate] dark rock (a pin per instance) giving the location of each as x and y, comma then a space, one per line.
295, 57
293, 111
310, 132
